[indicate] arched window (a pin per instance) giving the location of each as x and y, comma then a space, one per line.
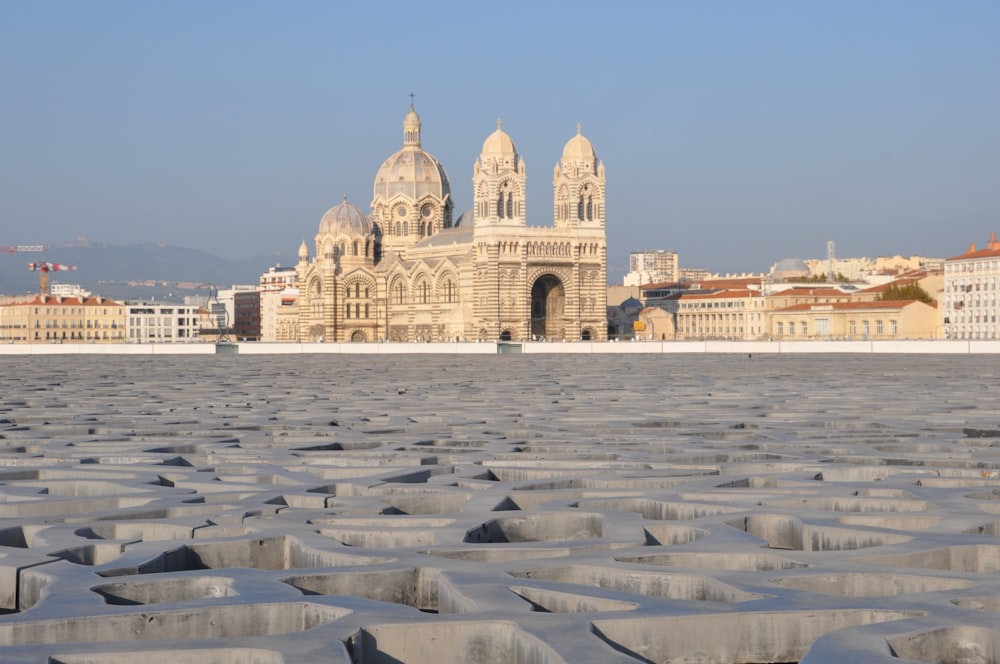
579, 209
355, 247
398, 229
406, 228
347, 292
366, 310
510, 205
357, 290
590, 208
347, 310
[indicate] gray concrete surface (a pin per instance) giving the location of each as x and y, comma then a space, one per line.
536, 509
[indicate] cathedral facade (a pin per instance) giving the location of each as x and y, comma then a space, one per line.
413, 271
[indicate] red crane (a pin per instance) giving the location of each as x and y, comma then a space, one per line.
44, 269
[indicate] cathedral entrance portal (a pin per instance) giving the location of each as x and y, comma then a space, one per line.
548, 307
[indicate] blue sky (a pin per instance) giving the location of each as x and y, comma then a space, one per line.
735, 133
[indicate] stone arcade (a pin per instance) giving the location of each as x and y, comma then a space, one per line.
411, 271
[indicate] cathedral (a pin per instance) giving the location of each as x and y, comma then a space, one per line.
413, 271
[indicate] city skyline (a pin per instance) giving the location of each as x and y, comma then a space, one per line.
736, 135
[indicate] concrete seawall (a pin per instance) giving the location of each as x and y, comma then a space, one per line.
965, 347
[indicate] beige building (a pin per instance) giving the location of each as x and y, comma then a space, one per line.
970, 293
412, 271
731, 313
56, 319
890, 319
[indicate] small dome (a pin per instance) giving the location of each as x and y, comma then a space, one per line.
411, 119
465, 220
345, 219
499, 143
790, 268
578, 148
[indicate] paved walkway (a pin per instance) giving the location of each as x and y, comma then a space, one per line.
499, 508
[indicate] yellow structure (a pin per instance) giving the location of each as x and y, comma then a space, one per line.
54, 319
411, 271
891, 319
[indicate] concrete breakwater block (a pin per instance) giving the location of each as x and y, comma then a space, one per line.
535, 508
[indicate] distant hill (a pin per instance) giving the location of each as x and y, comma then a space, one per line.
119, 271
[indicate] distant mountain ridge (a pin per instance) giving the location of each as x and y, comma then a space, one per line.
117, 271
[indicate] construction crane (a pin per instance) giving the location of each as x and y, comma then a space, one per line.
44, 269
22, 247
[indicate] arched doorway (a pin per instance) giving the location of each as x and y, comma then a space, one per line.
548, 307
358, 335
505, 335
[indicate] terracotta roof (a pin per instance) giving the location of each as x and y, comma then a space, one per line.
738, 282
802, 291
55, 300
715, 295
905, 281
991, 250
850, 306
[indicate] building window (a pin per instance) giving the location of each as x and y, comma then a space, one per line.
893, 327
805, 329
781, 329
878, 327
791, 328
822, 326
865, 328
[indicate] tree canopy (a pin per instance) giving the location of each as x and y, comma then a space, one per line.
910, 291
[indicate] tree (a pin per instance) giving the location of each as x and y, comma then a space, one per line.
910, 291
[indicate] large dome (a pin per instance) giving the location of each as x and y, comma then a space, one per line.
412, 172
578, 148
345, 219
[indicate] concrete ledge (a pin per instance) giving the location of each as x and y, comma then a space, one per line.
914, 346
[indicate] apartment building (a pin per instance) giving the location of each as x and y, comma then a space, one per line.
56, 319
969, 294
154, 322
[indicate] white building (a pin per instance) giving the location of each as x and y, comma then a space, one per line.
224, 306
650, 267
971, 286
277, 279
278, 297
150, 322
69, 290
